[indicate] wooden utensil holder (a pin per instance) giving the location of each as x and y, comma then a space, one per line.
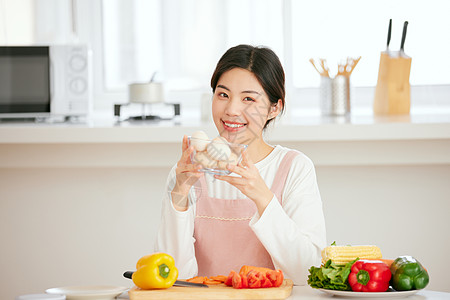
393, 91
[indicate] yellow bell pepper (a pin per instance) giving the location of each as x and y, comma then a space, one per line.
155, 271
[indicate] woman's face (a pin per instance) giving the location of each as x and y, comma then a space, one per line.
240, 106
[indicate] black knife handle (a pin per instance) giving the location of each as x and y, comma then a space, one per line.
405, 26
128, 274
389, 33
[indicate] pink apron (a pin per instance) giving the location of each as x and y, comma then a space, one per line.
224, 240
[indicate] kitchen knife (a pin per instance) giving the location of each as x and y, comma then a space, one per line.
128, 275
389, 33
405, 25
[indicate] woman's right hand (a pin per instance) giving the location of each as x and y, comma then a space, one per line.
187, 173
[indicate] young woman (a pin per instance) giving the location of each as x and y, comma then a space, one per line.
268, 211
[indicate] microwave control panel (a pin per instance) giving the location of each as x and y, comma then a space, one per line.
71, 78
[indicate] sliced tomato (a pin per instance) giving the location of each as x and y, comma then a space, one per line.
265, 282
237, 281
276, 277
253, 278
229, 280
244, 281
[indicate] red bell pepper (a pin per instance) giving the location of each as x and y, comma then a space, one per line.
369, 276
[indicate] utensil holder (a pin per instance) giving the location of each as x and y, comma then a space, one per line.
393, 90
335, 95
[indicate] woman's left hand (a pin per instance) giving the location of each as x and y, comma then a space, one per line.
250, 183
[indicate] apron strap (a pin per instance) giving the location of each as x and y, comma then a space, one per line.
282, 173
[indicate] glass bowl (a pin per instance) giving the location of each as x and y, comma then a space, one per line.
215, 154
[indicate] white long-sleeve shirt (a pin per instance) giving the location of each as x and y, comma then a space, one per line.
293, 232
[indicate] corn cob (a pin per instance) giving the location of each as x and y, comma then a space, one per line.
343, 254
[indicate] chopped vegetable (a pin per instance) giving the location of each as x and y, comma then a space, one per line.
155, 271
330, 276
213, 280
229, 280
245, 269
369, 276
255, 278
408, 274
197, 279
276, 277
265, 282
236, 281
248, 277
220, 278
387, 261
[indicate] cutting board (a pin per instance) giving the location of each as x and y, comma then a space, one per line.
220, 291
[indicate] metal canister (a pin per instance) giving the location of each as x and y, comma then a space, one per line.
325, 95
340, 103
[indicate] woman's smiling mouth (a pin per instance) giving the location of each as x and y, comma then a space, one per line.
232, 126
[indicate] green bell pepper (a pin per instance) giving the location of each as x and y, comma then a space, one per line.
408, 274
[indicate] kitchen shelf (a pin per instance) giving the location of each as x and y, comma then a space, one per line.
361, 140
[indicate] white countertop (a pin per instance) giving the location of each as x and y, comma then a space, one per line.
298, 125
308, 293
423, 137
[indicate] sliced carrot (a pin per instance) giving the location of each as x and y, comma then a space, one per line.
245, 269
387, 261
197, 279
212, 282
220, 278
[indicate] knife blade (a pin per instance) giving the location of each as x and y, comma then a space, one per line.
128, 275
402, 45
389, 33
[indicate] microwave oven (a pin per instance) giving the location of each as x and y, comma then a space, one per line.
45, 81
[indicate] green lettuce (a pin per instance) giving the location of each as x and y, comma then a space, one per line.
330, 276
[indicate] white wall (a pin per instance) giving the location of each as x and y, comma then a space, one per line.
16, 22
83, 226
77, 226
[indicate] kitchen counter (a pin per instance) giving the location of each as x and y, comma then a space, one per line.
361, 139
308, 293
297, 126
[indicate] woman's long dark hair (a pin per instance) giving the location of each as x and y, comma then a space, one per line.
262, 62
